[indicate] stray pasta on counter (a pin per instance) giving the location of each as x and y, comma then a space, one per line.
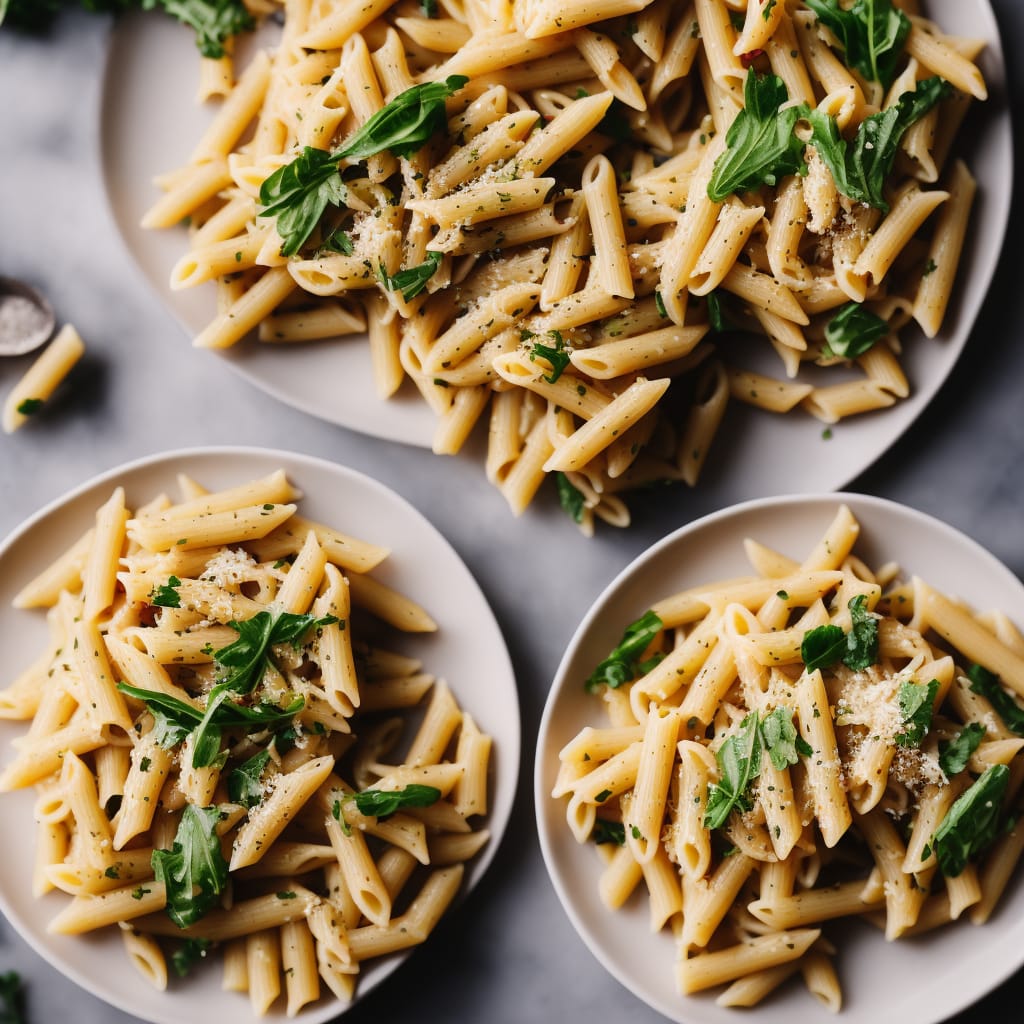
815, 741
555, 218
231, 752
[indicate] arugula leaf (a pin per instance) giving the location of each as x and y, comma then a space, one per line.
761, 144
570, 497
190, 952
213, 21
622, 664
987, 685
556, 355
972, 823
822, 646
825, 645
411, 281
739, 763
862, 640
955, 753
167, 596
917, 701
173, 719
380, 803
298, 193
605, 831
860, 169
781, 739
871, 34
853, 330
406, 124
194, 869
244, 781
12, 990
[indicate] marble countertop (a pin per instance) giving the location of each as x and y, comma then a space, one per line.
519, 956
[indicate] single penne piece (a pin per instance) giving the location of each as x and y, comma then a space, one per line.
706, 970
831, 806
268, 820
42, 378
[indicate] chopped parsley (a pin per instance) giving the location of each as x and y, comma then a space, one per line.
167, 596
30, 406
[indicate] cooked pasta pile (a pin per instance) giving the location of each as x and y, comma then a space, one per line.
561, 215
892, 796
229, 752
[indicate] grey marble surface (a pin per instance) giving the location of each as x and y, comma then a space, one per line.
520, 959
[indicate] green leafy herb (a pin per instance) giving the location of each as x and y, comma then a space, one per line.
570, 497
972, 823
194, 869
825, 645
761, 144
244, 785
622, 665
213, 21
12, 998
954, 754
298, 193
173, 719
167, 596
30, 406
916, 700
739, 763
781, 739
429, 8
860, 168
767, 12
406, 124
853, 330
381, 803
659, 305
987, 685
606, 831
556, 355
822, 646
190, 952
871, 34
411, 281
717, 315
339, 241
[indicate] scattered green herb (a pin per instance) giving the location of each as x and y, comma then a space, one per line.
954, 754
853, 331
987, 685
193, 870
916, 701
623, 664
972, 823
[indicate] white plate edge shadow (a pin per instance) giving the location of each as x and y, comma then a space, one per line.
620, 940
200, 998
751, 437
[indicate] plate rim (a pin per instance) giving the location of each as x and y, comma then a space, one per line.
683, 1012
500, 811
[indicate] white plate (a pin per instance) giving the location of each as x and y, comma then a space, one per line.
151, 122
918, 981
467, 650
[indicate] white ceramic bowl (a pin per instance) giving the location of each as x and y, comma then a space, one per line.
913, 981
468, 651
